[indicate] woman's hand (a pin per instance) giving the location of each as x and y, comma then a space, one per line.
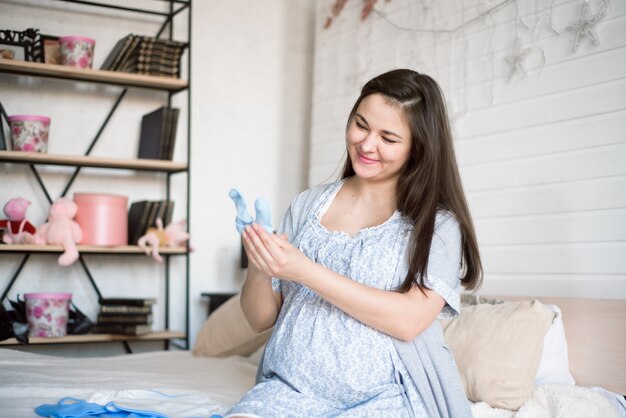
273, 254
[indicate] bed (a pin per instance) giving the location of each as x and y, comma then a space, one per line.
223, 364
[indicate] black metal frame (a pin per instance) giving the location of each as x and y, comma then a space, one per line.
168, 23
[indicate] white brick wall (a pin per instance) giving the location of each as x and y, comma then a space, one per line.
542, 157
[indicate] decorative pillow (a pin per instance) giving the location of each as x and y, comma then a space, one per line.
554, 364
226, 333
497, 349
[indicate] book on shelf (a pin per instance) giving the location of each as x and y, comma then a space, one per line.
3, 142
166, 56
128, 301
137, 216
167, 148
163, 55
114, 57
125, 309
123, 329
169, 212
158, 134
125, 318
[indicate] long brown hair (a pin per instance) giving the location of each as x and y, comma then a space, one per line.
430, 180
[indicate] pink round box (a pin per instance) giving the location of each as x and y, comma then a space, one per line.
76, 51
47, 314
103, 218
29, 133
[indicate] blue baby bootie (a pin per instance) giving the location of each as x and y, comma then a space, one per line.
243, 219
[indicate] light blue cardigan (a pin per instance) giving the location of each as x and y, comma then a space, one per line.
428, 360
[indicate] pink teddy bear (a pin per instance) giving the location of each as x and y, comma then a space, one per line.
62, 229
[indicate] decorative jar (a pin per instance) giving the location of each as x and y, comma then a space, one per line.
47, 314
76, 51
29, 133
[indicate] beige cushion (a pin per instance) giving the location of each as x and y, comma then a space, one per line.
226, 333
497, 349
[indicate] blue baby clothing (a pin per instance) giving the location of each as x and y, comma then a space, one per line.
131, 403
74, 408
321, 362
243, 219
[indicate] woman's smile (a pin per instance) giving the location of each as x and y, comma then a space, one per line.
365, 160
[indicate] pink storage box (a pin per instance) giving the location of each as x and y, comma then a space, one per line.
103, 218
29, 133
76, 51
47, 314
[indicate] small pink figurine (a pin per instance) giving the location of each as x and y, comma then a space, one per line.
172, 236
17, 229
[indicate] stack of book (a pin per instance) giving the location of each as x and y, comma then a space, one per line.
145, 55
143, 215
158, 134
126, 316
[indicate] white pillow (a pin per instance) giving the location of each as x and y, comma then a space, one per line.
554, 363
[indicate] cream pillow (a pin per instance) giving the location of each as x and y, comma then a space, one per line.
226, 333
497, 349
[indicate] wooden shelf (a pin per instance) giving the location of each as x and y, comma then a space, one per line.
95, 76
98, 338
99, 162
88, 249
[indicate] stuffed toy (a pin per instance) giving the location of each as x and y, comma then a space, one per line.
17, 230
243, 219
62, 229
173, 235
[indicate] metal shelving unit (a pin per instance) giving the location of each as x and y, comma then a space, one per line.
126, 80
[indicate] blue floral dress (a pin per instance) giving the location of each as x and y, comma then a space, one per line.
321, 362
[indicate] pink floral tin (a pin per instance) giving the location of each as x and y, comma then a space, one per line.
103, 218
47, 314
76, 51
29, 133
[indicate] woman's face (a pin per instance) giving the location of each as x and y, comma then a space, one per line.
378, 139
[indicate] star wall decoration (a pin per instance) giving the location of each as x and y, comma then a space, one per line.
585, 26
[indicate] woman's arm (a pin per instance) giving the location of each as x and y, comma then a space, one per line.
400, 315
260, 304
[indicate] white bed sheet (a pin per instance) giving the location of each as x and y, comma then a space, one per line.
28, 380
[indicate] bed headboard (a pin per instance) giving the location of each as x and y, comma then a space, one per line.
595, 330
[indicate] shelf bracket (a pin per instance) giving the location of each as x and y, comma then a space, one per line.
14, 277
95, 140
40, 181
88, 273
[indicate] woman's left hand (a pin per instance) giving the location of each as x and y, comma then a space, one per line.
274, 254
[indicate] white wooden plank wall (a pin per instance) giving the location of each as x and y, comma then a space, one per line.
542, 155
